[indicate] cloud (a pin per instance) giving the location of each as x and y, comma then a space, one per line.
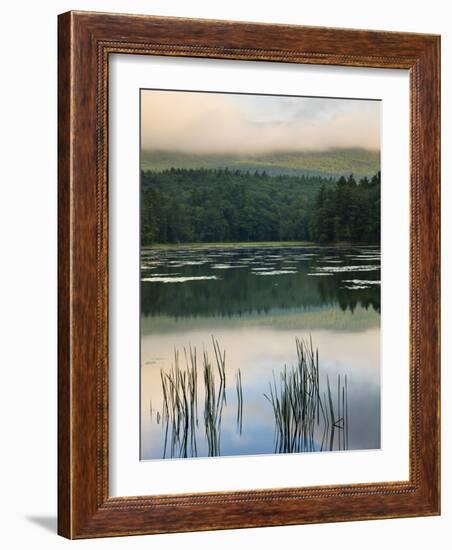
204, 123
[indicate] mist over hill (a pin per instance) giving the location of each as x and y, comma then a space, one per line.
328, 163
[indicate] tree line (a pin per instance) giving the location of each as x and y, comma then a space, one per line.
223, 205
348, 211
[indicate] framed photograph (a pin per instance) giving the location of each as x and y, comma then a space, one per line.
248, 275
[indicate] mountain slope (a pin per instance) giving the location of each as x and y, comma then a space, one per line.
334, 162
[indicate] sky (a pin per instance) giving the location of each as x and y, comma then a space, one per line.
216, 123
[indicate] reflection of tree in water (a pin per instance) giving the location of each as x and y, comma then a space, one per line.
331, 293
309, 415
240, 292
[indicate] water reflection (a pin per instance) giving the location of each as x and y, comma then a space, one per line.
260, 303
220, 282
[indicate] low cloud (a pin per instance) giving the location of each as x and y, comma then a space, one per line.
208, 123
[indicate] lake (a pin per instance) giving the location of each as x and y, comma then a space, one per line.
259, 349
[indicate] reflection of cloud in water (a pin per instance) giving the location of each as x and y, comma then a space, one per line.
276, 272
321, 318
156, 275
172, 279
258, 353
358, 284
227, 266
345, 268
256, 322
355, 287
324, 260
359, 281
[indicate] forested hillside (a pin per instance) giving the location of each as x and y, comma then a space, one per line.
331, 162
200, 205
347, 211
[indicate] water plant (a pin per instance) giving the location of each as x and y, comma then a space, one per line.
238, 385
299, 411
310, 412
180, 402
179, 411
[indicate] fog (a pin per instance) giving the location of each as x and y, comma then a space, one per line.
214, 123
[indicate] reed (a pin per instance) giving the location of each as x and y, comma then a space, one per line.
238, 385
300, 413
310, 412
214, 401
180, 402
179, 410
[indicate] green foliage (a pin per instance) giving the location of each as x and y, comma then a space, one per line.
181, 205
349, 211
200, 205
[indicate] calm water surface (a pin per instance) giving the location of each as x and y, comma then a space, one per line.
255, 302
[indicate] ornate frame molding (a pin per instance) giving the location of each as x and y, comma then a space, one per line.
85, 42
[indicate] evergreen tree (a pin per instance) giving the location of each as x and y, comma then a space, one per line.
200, 205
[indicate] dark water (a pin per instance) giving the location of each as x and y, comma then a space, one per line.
256, 302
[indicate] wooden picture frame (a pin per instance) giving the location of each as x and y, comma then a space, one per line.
85, 42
